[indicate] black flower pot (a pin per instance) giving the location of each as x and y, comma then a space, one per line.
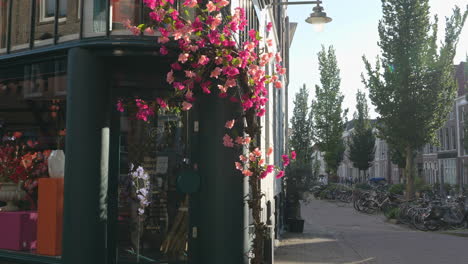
296, 225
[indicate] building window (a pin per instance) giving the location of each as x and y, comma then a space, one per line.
454, 138
3, 24
47, 10
447, 139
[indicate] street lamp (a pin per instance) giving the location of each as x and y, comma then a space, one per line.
318, 18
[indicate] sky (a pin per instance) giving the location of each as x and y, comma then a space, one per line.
353, 33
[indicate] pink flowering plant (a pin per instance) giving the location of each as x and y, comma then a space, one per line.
211, 59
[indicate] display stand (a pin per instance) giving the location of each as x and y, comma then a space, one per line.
18, 230
50, 216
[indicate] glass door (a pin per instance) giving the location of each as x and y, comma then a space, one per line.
152, 214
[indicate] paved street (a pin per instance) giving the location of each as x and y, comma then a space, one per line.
335, 233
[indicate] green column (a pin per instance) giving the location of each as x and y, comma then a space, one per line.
86, 165
220, 200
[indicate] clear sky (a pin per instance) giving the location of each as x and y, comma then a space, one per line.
353, 33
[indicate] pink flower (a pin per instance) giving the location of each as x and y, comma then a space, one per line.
270, 168
203, 60
247, 140
269, 26
270, 42
239, 166
190, 3
206, 87
243, 158
229, 124
163, 50
280, 175
149, 31
261, 162
120, 106
278, 57
163, 40
278, 84
161, 103
178, 85
261, 112
231, 82
211, 7
252, 157
183, 57
285, 160
270, 150
231, 71
247, 173
239, 140
170, 77
186, 106
257, 152
223, 3
190, 74
293, 155
176, 66
216, 72
227, 141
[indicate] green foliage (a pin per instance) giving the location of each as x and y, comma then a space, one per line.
301, 136
396, 188
412, 84
362, 186
362, 142
392, 213
328, 114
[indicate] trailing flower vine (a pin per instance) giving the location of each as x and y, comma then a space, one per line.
211, 59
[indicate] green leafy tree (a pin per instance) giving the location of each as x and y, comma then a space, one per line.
328, 115
412, 84
301, 136
362, 142
299, 173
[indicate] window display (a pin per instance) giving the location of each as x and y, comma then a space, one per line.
32, 127
153, 213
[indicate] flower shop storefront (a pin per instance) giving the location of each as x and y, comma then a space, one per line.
92, 184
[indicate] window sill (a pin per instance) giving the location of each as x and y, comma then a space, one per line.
22, 257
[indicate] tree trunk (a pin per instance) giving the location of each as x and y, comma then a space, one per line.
409, 173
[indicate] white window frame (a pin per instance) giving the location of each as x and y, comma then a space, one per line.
44, 18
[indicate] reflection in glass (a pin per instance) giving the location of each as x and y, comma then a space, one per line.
3, 24
44, 23
69, 29
20, 24
122, 12
159, 232
94, 21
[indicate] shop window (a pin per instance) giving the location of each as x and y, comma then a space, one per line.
152, 207
3, 25
20, 24
32, 141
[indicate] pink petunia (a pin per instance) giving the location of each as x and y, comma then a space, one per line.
239, 166
163, 50
285, 160
280, 175
170, 77
270, 150
293, 155
161, 103
247, 173
229, 124
183, 57
186, 106
216, 72
203, 60
227, 141
269, 26
211, 6
278, 84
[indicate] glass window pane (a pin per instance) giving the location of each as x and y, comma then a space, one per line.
20, 24
32, 118
69, 29
122, 12
3, 25
159, 233
94, 23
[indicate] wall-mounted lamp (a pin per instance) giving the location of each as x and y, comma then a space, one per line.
318, 18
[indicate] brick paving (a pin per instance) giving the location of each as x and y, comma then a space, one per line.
334, 233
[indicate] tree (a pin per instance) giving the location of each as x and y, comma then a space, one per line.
412, 84
362, 142
301, 136
328, 114
299, 173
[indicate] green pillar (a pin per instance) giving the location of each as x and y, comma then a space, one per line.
220, 200
86, 165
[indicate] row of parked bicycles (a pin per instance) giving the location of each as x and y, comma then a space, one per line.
429, 212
